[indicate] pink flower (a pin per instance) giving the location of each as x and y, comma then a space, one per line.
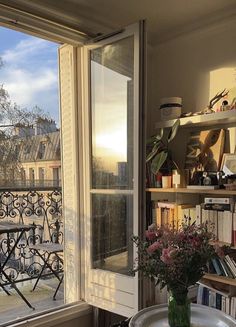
150, 235
153, 247
168, 255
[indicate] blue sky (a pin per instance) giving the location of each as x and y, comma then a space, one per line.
30, 71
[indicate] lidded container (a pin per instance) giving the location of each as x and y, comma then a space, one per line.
171, 108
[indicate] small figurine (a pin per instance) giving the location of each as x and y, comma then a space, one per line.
214, 100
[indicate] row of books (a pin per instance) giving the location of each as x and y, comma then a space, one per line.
216, 299
172, 214
220, 221
223, 266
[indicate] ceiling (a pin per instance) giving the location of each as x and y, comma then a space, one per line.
165, 18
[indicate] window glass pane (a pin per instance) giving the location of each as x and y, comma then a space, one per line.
111, 232
112, 68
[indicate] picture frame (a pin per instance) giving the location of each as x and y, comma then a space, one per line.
228, 164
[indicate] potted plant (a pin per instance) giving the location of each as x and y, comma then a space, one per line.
158, 152
176, 259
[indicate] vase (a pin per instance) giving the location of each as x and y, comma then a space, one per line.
179, 308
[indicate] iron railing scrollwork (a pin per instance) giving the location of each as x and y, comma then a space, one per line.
43, 209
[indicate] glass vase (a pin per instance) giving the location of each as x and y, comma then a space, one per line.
178, 308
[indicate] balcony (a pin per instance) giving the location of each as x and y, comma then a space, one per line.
40, 207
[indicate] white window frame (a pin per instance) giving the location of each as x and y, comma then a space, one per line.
30, 24
38, 26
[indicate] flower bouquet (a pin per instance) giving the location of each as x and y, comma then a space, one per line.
176, 259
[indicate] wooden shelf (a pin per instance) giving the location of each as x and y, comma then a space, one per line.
216, 118
220, 279
187, 190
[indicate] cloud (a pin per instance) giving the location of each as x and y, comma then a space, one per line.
25, 49
30, 74
24, 86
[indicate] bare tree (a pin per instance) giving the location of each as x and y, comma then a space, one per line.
12, 117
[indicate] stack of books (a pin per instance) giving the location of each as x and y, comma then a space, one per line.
174, 215
221, 300
223, 266
219, 213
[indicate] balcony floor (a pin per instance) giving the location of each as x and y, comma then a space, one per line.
13, 307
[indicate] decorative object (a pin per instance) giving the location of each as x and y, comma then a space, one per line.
214, 100
176, 178
228, 164
166, 181
176, 259
170, 108
204, 151
158, 152
201, 316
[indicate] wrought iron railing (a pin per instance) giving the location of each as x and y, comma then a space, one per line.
43, 209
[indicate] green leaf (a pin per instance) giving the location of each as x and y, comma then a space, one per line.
158, 161
155, 138
151, 140
154, 151
159, 137
173, 130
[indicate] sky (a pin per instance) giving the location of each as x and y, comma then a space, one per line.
30, 71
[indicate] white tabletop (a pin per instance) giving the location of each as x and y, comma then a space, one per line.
201, 316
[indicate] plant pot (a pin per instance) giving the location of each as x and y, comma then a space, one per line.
178, 308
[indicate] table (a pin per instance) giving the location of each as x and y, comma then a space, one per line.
20, 229
201, 316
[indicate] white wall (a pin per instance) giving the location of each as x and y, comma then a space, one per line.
181, 67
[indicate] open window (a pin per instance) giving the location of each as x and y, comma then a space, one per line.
102, 173
112, 134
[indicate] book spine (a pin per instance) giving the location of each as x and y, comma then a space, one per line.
198, 214
218, 301
234, 229
216, 267
231, 265
216, 206
220, 226
227, 228
217, 200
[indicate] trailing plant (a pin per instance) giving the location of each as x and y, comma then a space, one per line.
158, 152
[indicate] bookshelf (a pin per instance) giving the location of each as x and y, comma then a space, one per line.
224, 120
216, 118
220, 279
193, 191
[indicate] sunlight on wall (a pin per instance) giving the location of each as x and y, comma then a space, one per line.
220, 79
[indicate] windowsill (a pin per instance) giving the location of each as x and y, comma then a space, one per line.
55, 317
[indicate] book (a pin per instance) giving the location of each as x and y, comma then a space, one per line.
223, 304
199, 294
213, 222
234, 229
198, 214
218, 301
227, 228
220, 225
227, 305
216, 206
192, 215
221, 266
218, 200
212, 299
217, 267
227, 268
231, 265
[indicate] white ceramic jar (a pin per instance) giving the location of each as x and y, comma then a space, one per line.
171, 108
